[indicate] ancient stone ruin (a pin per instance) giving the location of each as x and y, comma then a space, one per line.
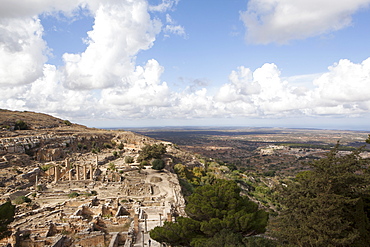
84, 198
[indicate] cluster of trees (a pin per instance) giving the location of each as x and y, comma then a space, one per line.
218, 216
329, 205
149, 152
154, 154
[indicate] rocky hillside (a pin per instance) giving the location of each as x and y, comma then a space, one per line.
78, 186
34, 121
48, 139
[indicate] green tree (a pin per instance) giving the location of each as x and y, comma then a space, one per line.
20, 125
154, 151
219, 216
67, 122
329, 205
158, 164
178, 233
129, 159
7, 212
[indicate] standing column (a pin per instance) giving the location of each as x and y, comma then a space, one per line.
84, 174
37, 181
70, 175
56, 174
169, 217
91, 172
77, 173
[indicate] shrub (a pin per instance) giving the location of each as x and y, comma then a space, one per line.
115, 154
107, 145
67, 122
120, 146
144, 163
5, 127
46, 167
158, 164
112, 166
79, 145
21, 199
39, 187
129, 159
20, 125
73, 195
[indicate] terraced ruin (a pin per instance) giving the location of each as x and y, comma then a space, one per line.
75, 186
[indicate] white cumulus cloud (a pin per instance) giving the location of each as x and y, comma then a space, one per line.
279, 21
22, 51
120, 31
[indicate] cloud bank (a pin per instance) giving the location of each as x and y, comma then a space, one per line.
104, 81
279, 21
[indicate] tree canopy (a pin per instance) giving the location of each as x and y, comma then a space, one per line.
328, 205
218, 216
154, 151
158, 164
7, 212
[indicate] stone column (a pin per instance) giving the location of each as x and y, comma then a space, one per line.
68, 164
169, 217
84, 173
145, 221
37, 181
77, 173
91, 172
70, 175
96, 163
56, 174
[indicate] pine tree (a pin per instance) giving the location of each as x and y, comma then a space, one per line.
7, 212
219, 216
329, 205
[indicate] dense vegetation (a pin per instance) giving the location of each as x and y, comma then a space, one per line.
7, 212
20, 125
218, 216
327, 205
158, 164
149, 152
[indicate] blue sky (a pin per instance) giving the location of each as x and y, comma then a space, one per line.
125, 63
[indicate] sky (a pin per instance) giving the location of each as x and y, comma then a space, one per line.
136, 63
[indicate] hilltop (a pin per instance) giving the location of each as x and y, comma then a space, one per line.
79, 186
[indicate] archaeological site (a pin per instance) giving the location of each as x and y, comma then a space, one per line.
77, 186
